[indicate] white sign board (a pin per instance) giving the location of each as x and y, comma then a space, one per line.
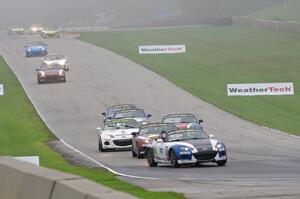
31, 159
1, 90
162, 49
260, 89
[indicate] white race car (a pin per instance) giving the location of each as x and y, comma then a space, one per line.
190, 146
61, 60
116, 134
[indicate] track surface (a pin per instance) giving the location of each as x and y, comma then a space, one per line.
261, 162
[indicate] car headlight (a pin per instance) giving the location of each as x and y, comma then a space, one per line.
43, 73
220, 146
185, 148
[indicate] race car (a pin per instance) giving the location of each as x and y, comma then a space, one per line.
112, 109
189, 146
183, 120
36, 29
36, 48
53, 33
136, 114
116, 134
50, 73
57, 59
146, 134
15, 30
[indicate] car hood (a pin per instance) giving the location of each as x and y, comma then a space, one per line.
120, 131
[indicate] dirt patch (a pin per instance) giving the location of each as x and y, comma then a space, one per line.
71, 156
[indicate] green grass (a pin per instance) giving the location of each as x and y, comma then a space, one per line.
288, 10
217, 56
22, 133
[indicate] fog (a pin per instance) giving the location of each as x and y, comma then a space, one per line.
117, 12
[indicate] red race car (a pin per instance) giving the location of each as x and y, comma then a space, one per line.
50, 73
146, 134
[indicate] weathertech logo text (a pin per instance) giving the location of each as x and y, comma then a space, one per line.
162, 49
260, 89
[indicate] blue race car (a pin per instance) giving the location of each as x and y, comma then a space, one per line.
36, 48
190, 146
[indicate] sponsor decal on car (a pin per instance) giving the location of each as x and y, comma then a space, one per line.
1, 90
162, 49
255, 89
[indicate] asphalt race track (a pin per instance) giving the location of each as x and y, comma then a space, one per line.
262, 162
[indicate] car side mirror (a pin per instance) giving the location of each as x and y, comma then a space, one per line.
104, 114
159, 140
200, 121
135, 133
149, 115
211, 136
109, 118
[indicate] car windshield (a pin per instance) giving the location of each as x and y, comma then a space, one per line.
187, 135
115, 108
36, 43
130, 114
180, 119
51, 67
113, 125
157, 129
54, 57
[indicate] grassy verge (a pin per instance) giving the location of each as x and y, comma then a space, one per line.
22, 133
217, 56
285, 10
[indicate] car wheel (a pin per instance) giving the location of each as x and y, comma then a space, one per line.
27, 55
173, 159
39, 81
64, 80
150, 159
133, 153
100, 146
221, 163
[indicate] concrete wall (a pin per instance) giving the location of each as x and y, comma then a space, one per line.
277, 26
21, 180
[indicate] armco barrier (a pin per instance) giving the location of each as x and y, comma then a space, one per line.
276, 26
22, 180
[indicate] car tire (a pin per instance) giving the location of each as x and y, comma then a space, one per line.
173, 159
221, 163
133, 153
38, 81
100, 146
150, 159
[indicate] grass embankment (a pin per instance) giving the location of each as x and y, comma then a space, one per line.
22, 133
288, 10
217, 56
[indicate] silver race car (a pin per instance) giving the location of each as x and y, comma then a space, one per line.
136, 114
61, 60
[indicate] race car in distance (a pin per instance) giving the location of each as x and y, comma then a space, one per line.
183, 120
146, 134
189, 146
136, 114
15, 30
50, 73
36, 48
112, 109
116, 134
53, 33
35, 29
57, 59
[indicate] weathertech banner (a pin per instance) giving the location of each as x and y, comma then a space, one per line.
1, 89
260, 89
162, 49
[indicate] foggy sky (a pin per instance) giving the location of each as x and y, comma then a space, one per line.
61, 12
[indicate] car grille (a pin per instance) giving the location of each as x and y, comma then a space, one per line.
54, 77
205, 156
127, 142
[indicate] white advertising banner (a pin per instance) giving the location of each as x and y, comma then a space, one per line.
162, 49
31, 159
260, 89
1, 90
